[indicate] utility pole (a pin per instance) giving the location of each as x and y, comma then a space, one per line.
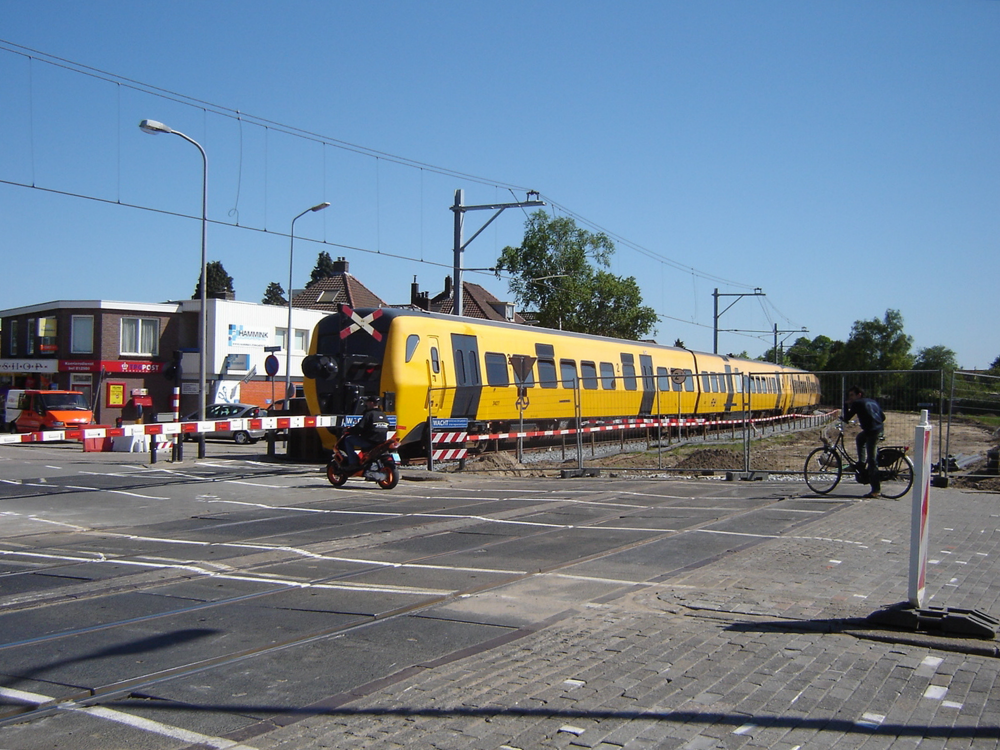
776, 332
459, 208
715, 328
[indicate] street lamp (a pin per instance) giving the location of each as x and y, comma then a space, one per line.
154, 128
289, 393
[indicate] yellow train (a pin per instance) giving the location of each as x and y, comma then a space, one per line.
499, 376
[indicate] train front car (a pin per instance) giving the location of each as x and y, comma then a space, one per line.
346, 363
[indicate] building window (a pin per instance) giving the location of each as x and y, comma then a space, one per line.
140, 336
82, 334
301, 340
30, 348
13, 338
280, 337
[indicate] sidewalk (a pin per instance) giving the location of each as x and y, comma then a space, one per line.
762, 648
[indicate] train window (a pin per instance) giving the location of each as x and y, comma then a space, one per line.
662, 379
588, 374
737, 382
547, 373
628, 372
435, 360
473, 369
608, 381
496, 369
716, 383
567, 371
411, 345
706, 383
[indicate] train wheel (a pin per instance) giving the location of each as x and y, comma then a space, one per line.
823, 470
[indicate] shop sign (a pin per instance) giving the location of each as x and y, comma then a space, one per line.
240, 336
125, 367
28, 365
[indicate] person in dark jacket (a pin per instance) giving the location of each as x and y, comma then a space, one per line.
872, 421
370, 431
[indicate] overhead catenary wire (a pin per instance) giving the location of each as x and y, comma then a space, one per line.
268, 125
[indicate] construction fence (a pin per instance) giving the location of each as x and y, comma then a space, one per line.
751, 429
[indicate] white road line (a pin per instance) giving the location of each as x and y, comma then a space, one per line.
156, 727
136, 494
21, 695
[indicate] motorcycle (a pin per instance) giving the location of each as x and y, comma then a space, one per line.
379, 464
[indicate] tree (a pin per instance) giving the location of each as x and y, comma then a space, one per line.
874, 345
324, 269
995, 367
274, 295
552, 272
810, 355
220, 283
936, 358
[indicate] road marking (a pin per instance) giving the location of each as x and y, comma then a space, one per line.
156, 727
136, 494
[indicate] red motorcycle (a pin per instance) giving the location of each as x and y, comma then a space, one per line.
379, 464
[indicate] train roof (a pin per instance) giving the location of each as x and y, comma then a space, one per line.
402, 312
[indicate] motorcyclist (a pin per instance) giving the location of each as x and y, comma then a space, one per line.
370, 431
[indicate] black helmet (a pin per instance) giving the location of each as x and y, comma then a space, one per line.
372, 399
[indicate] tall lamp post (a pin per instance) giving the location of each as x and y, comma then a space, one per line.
289, 393
153, 127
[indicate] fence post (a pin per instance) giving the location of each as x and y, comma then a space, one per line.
579, 426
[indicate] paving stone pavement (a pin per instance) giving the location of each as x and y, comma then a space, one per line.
764, 648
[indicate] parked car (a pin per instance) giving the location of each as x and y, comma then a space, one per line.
218, 412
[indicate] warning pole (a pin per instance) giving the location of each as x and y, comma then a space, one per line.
919, 518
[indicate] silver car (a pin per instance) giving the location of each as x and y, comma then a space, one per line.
219, 412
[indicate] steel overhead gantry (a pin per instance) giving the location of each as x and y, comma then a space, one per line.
459, 208
715, 327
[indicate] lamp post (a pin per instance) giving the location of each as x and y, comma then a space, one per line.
153, 127
289, 393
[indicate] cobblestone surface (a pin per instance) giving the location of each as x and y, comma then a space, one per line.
764, 648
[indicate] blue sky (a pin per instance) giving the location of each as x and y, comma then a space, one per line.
842, 156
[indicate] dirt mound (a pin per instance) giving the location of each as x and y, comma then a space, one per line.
718, 459
500, 465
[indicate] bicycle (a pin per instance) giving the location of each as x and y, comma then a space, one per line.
826, 465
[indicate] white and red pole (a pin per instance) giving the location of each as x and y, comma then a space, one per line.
920, 517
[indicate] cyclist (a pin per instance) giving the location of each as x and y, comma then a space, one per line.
872, 421
370, 431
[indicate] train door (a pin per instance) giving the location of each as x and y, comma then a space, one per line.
436, 376
648, 385
727, 379
468, 382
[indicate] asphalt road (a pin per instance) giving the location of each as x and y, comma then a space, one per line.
168, 605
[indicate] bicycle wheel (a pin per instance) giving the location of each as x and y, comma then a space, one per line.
896, 477
823, 470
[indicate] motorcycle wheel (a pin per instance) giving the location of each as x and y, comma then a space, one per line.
391, 476
337, 478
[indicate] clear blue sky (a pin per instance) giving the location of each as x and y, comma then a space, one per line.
842, 156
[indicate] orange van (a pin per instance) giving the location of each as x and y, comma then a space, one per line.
34, 411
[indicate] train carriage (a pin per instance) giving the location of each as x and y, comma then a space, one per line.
495, 374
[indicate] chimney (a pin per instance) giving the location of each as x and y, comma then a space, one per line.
447, 286
340, 266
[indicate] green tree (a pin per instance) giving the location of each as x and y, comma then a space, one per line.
936, 358
274, 295
875, 345
220, 283
324, 268
552, 272
995, 367
810, 355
